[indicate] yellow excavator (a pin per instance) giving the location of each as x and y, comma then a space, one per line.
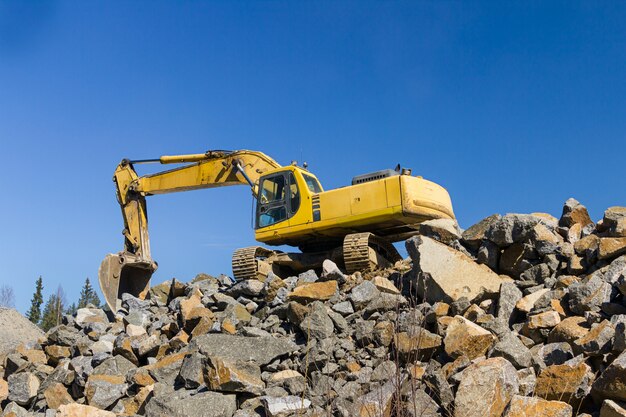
353, 225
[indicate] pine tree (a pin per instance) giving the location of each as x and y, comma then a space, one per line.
53, 311
88, 295
71, 310
34, 313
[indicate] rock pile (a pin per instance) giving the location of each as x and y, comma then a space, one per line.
519, 315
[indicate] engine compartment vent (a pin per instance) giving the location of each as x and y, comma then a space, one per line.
373, 176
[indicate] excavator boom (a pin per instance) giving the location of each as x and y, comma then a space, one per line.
129, 271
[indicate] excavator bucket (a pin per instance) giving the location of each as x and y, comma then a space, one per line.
122, 273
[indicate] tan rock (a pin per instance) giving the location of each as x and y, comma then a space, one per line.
234, 376
56, 395
417, 345
569, 330
79, 410
587, 244
4, 390
285, 375
615, 221
486, 389
568, 383
597, 341
228, 327
611, 247
441, 309
353, 367
56, 353
573, 213
136, 404
527, 303
537, 407
272, 286
377, 402
384, 285
315, 291
142, 378
464, 338
445, 274
545, 320
188, 305
202, 327
383, 333
133, 330
416, 370
34, 356
473, 313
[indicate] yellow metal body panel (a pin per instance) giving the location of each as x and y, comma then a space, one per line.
391, 207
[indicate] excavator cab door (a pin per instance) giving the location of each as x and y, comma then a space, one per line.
279, 199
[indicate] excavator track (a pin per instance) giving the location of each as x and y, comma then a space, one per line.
356, 252
245, 263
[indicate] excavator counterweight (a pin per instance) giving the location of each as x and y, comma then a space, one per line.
353, 226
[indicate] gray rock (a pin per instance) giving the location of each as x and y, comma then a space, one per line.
511, 228
554, 354
363, 293
90, 315
12, 409
619, 340
317, 324
512, 349
344, 308
420, 404
307, 277
192, 371
116, 365
203, 404
261, 350
589, 294
489, 254
248, 287
385, 371
364, 332
22, 387
341, 324
330, 271
437, 385
509, 296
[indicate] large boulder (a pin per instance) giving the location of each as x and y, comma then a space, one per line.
261, 350
486, 389
445, 274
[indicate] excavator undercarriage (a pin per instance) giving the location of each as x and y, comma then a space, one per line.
359, 252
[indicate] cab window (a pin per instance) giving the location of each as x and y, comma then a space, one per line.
279, 199
313, 184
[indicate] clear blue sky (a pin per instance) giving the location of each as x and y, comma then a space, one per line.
513, 107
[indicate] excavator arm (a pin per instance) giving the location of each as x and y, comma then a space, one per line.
129, 271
